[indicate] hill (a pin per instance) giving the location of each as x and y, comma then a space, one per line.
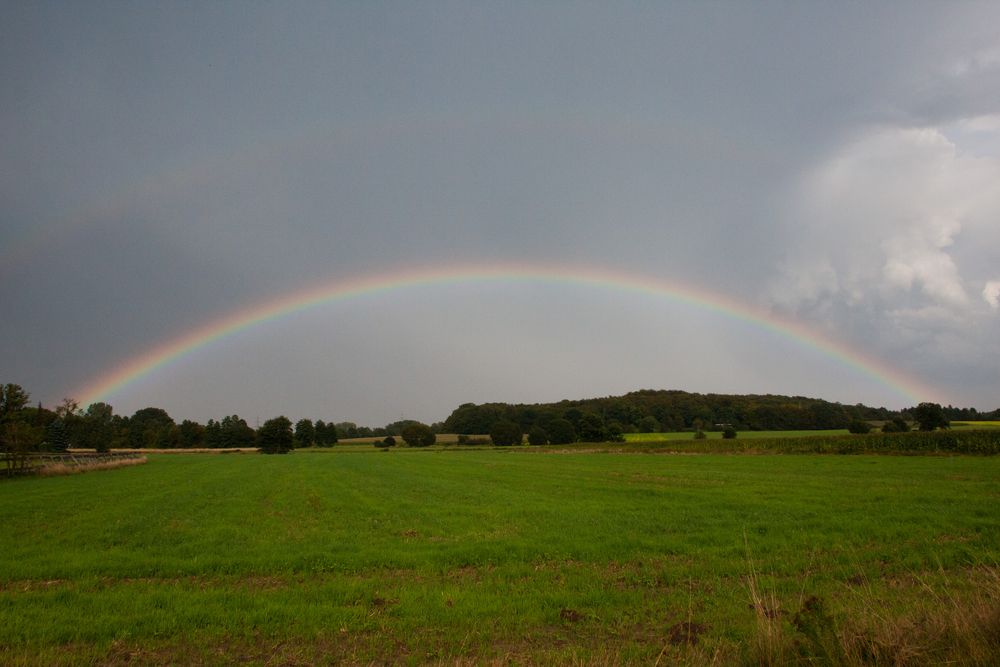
650, 410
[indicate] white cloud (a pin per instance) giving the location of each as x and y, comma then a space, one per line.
898, 214
991, 294
917, 257
985, 123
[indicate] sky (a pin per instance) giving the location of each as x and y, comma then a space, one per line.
832, 167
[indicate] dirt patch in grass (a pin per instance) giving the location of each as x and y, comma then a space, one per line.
571, 615
685, 632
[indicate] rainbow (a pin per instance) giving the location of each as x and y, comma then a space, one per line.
165, 353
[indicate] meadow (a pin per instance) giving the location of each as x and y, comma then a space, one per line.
717, 435
459, 556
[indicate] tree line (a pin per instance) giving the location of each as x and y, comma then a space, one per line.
26, 428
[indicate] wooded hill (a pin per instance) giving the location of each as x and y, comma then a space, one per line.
652, 411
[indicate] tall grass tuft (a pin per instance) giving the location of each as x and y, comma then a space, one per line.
942, 628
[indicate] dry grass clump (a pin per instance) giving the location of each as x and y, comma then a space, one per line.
941, 626
56, 469
191, 450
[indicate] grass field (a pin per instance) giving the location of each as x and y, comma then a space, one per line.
974, 425
716, 435
458, 556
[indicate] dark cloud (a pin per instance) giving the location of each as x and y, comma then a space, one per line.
166, 165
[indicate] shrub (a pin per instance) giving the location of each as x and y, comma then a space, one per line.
859, 427
699, 435
561, 432
418, 435
388, 441
505, 433
896, 425
537, 436
615, 432
729, 433
592, 428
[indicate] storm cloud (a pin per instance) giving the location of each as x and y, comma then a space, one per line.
164, 166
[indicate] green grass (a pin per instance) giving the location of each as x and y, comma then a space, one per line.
424, 556
716, 435
976, 425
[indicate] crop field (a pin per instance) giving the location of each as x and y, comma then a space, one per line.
455, 556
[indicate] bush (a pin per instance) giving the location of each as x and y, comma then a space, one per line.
896, 425
418, 435
859, 427
388, 441
561, 432
592, 428
699, 435
537, 436
729, 433
615, 432
505, 433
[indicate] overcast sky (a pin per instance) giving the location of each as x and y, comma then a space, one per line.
163, 165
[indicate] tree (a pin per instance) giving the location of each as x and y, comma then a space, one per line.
418, 435
95, 429
387, 441
505, 433
13, 398
150, 427
326, 434
213, 434
561, 432
537, 436
56, 437
347, 430
930, 416
68, 408
591, 428
235, 432
305, 433
275, 436
191, 434
649, 424
616, 432
859, 427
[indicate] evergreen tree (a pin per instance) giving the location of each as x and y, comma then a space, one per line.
55, 436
